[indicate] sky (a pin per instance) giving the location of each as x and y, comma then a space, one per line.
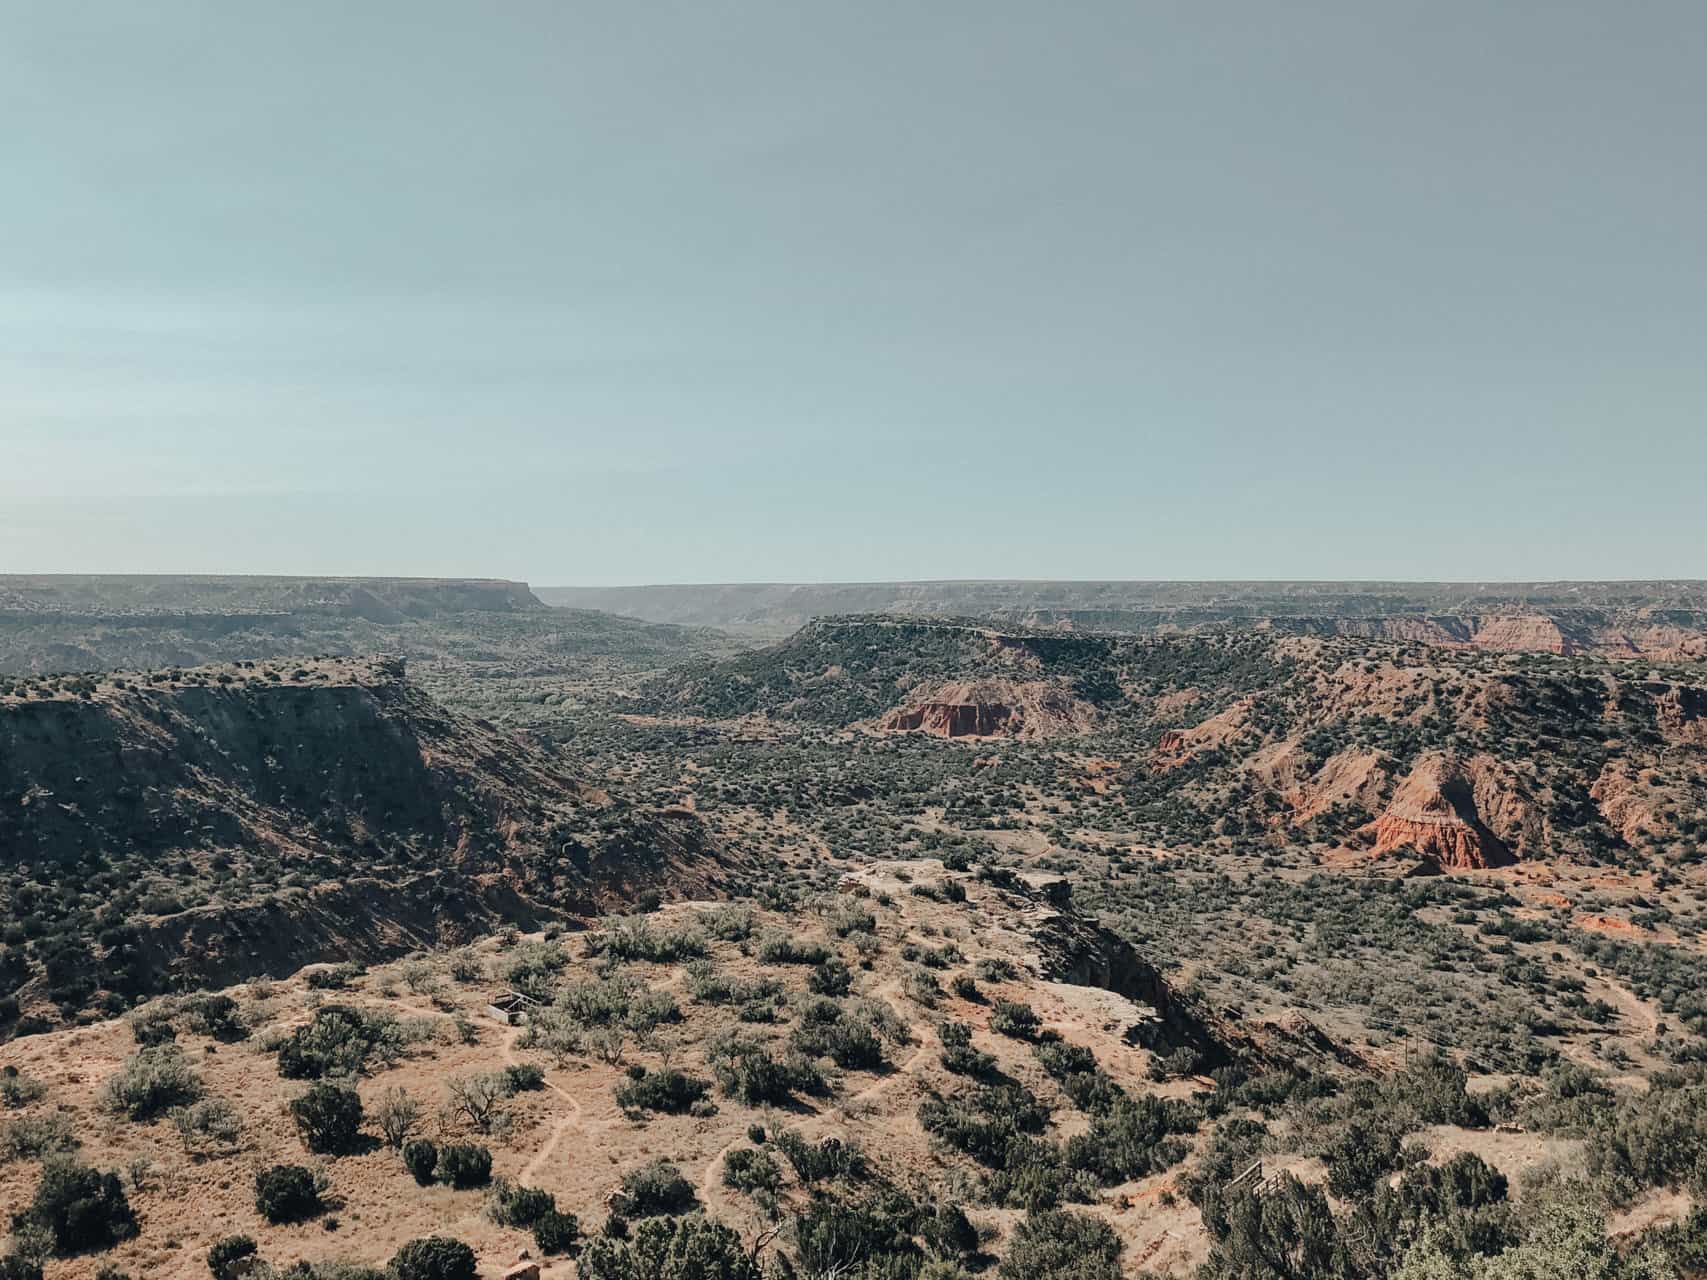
809, 291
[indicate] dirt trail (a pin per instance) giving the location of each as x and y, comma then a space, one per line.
563, 1125
1634, 1008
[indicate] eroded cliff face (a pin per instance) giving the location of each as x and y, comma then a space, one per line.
250, 819
1681, 713
991, 709
345, 753
1438, 812
1073, 949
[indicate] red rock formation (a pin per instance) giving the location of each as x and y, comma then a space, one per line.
1172, 751
1434, 813
1524, 633
1625, 800
991, 709
951, 719
1353, 778
1681, 712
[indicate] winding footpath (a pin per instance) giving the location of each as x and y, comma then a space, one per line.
563, 1125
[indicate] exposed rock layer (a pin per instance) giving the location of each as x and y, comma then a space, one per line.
991, 709
1434, 813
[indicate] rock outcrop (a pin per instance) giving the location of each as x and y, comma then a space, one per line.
1075, 950
1681, 712
992, 709
1434, 813
1626, 800
1353, 779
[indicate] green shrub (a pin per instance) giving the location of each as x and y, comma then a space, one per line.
636, 938
151, 1082
524, 1077
959, 1056
217, 1016
748, 1071
34, 1136
555, 1231
728, 923
286, 1193
1011, 1018
670, 1249
707, 986
329, 1118
655, 1189
984, 1121
1132, 1138
751, 1170
666, 1090
337, 1041
834, 1236
462, 1165
1062, 1246
83, 1210
513, 1205
831, 1158
831, 978
848, 1041
334, 977
18, 1091
1360, 1156
421, 1158
434, 1258
950, 1232
780, 948
225, 1251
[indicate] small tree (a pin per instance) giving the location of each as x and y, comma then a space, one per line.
82, 1209
421, 1158
478, 1099
328, 1116
397, 1114
286, 1193
555, 1231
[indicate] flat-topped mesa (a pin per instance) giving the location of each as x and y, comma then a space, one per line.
378, 599
1434, 814
991, 709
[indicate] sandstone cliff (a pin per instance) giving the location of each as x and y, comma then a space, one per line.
1435, 813
991, 709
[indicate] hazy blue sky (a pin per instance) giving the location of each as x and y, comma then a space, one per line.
729, 291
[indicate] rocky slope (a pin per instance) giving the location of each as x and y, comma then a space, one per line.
232, 821
1460, 757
